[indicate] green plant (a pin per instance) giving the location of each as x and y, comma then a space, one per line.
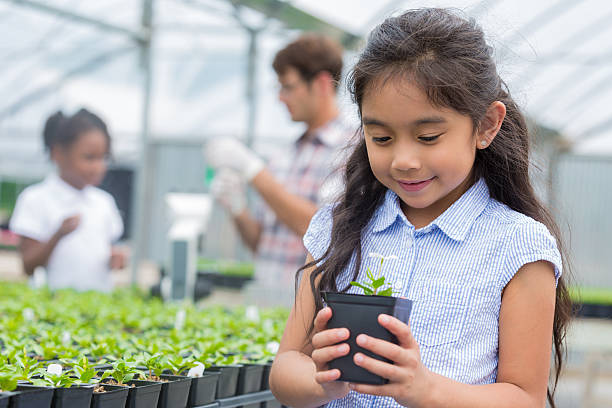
45, 378
123, 371
153, 363
375, 285
177, 363
84, 371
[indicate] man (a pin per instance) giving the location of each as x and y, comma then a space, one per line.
294, 184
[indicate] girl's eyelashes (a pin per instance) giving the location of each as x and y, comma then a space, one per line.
380, 139
430, 138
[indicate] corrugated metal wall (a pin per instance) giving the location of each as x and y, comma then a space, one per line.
581, 201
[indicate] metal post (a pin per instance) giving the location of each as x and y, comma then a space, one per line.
143, 188
251, 88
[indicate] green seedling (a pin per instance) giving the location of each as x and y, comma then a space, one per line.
84, 371
177, 364
153, 363
375, 285
48, 379
123, 371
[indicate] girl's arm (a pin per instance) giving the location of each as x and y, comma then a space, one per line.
296, 379
525, 344
35, 253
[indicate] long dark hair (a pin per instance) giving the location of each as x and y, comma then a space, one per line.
63, 130
448, 58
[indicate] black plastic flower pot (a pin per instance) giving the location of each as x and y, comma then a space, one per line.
30, 396
73, 397
143, 394
4, 399
359, 314
249, 378
203, 389
114, 396
265, 377
228, 380
174, 392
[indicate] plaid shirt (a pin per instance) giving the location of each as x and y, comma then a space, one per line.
309, 170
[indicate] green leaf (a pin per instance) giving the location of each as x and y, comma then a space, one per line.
369, 274
378, 282
367, 290
386, 292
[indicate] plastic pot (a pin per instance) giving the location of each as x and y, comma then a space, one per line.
203, 389
359, 314
143, 394
30, 396
73, 397
175, 392
265, 377
115, 396
228, 380
4, 399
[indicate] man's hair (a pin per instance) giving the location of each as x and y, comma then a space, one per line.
311, 54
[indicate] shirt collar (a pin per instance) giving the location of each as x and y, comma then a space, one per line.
66, 190
455, 222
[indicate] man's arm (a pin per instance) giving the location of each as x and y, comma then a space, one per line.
249, 229
292, 210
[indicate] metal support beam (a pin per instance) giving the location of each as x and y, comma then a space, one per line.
79, 18
296, 18
251, 88
144, 188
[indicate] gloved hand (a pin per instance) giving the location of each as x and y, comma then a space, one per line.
231, 153
229, 189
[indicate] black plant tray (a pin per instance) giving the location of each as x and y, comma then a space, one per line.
249, 378
227, 385
30, 396
203, 389
73, 397
4, 399
144, 394
174, 393
246, 399
114, 397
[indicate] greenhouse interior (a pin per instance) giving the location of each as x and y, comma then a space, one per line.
160, 267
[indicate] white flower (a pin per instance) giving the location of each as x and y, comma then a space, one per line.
54, 369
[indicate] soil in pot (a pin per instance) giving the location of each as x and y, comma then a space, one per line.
73, 397
30, 396
359, 313
228, 380
109, 396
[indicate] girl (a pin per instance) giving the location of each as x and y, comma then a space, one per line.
439, 178
66, 224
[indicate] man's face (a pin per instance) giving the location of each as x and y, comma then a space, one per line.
298, 95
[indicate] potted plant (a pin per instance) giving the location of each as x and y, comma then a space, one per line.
359, 314
69, 392
174, 388
104, 396
142, 394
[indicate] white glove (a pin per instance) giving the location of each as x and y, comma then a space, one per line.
231, 153
229, 189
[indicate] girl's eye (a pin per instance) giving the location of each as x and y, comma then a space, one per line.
429, 138
380, 139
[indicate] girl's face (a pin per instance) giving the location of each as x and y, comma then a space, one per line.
84, 161
425, 154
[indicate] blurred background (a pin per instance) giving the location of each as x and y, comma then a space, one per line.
169, 75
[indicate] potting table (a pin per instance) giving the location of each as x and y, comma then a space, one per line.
245, 399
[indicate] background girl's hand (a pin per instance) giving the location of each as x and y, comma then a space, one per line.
68, 225
118, 257
326, 349
409, 380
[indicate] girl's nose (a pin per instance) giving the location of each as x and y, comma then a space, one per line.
406, 157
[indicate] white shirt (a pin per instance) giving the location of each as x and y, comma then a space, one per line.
81, 259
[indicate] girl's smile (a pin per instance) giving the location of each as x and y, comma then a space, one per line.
414, 185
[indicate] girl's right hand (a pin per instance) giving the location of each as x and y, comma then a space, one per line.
69, 225
326, 348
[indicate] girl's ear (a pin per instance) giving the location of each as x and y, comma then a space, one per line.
490, 125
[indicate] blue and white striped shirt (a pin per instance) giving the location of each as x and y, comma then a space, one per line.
454, 270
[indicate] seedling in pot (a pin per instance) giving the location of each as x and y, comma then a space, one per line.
123, 371
376, 285
84, 371
54, 376
153, 363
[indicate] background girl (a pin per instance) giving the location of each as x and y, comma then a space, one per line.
65, 223
440, 179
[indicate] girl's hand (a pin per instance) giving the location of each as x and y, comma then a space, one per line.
326, 349
409, 380
118, 257
68, 225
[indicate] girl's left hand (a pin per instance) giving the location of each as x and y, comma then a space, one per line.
409, 380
